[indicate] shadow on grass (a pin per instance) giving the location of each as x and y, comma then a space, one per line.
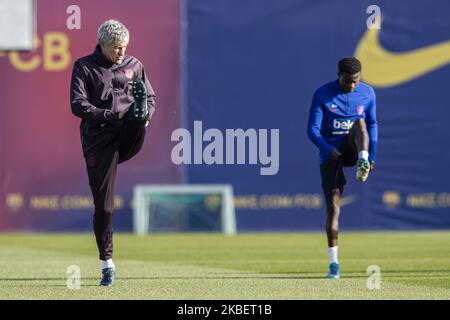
319, 276
384, 273
261, 275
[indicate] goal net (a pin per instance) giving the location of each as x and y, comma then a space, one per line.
184, 208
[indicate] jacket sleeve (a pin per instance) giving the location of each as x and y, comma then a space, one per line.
79, 99
314, 126
372, 127
151, 96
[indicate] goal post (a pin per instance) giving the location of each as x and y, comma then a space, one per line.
147, 196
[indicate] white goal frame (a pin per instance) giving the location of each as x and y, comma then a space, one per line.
142, 201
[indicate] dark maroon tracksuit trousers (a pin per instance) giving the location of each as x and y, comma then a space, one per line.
99, 92
125, 138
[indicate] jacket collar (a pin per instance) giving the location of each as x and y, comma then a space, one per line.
100, 58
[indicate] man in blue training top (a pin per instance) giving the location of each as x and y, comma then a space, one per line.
342, 124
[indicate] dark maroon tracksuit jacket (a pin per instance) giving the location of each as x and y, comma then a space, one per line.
99, 90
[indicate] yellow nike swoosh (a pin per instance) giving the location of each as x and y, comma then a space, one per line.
348, 200
382, 68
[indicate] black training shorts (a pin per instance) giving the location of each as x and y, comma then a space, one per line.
332, 171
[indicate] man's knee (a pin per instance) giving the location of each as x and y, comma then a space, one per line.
103, 199
332, 194
333, 200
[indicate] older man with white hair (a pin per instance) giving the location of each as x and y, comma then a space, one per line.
112, 95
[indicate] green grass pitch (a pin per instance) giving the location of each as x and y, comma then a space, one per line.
414, 265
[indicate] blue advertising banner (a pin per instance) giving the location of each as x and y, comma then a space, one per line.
254, 65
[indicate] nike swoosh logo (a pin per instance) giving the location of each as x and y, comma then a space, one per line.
382, 68
345, 201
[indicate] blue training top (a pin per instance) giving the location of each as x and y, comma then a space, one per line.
333, 112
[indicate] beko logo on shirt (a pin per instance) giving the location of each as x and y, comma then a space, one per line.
344, 125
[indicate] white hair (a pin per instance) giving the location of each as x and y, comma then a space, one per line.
112, 31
